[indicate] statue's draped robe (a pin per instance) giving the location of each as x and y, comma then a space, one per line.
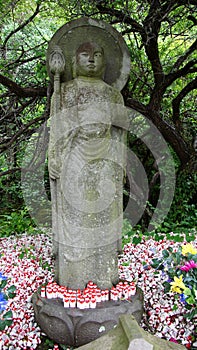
87, 150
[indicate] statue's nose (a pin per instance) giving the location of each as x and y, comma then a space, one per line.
91, 57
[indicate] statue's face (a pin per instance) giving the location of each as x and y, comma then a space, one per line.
90, 60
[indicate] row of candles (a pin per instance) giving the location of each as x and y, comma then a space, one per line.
89, 296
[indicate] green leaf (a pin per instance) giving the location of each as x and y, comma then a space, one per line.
167, 287
175, 307
3, 324
191, 314
187, 291
178, 238
190, 300
21, 256
156, 263
3, 284
171, 272
165, 253
11, 291
137, 240
7, 315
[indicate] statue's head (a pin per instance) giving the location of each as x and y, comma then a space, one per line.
89, 61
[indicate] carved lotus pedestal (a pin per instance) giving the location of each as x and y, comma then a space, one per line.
76, 327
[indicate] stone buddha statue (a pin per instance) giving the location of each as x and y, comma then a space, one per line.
86, 166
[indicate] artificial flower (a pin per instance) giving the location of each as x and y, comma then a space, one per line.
3, 302
177, 286
188, 266
2, 277
189, 248
183, 298
173, 340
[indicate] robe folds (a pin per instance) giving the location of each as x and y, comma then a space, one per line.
87, 158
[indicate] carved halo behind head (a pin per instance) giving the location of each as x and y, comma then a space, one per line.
73, 34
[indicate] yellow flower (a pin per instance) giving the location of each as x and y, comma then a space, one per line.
177, 286
188, 248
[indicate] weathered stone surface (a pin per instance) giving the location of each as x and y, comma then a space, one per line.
75, 327
140, 344
87, 152
71, 35
128, 335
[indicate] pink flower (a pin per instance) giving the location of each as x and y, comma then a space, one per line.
188, 266
173, 340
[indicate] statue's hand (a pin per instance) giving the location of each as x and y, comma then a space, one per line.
53, 174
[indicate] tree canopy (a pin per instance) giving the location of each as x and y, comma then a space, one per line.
161, 37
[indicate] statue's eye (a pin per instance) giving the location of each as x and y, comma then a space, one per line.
98, 54
84, 54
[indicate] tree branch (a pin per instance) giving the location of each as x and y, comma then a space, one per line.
188, 68
159, 89
20, 91
21, 131
134, 104
10, 171
178, 99
21, 26
25, 128
152, 25
10, 115
122, 17
181, 59
18, 61
186, 2
170, 134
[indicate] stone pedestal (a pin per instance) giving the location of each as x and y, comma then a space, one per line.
75, 327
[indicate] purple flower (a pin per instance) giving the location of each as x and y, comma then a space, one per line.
188, 266
169, 280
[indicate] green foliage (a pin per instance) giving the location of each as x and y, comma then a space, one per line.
135, 234
183, 213
129, 234
23, 58
16, 222
47, 343
10, 189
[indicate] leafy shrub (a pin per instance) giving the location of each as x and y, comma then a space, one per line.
16, 222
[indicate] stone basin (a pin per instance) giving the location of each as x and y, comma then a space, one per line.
76, 327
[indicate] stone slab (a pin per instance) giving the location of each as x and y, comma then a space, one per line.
128, 335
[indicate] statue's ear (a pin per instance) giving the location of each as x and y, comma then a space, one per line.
74, 67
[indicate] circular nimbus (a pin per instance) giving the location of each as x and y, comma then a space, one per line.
147, 132
33, 178
71, 35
